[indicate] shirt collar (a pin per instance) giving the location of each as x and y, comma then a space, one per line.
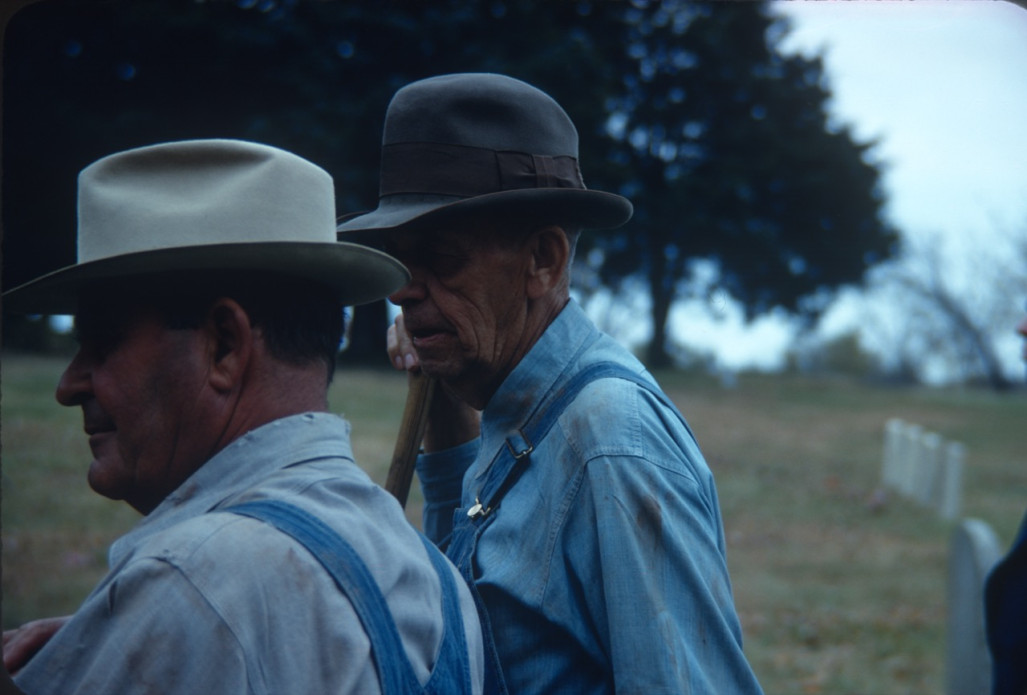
242, 464
546, 365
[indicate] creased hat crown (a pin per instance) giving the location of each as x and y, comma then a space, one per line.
484, 110
473, 143
198, 193
208, 205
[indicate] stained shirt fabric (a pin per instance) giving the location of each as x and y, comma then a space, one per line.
1005, 601
604, 569
199, 600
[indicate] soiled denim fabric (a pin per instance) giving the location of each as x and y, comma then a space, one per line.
604, 570
200, 602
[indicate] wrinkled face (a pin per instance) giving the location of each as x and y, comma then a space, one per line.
465, 305
139, 385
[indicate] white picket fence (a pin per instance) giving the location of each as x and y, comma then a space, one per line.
927, 469
973, 551
924, 467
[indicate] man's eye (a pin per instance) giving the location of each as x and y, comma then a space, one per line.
101, 343
99, 339
445, 261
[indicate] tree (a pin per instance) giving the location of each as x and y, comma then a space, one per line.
84, 79
954, 305
684, 107
730, 158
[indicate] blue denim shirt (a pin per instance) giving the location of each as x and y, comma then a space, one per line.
604, 570
199, 601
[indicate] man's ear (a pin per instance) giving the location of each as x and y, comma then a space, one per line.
231, 338
550, 251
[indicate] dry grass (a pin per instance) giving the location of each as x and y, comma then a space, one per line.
840, 589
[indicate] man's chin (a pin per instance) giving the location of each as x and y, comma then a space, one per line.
105, 482
438, 368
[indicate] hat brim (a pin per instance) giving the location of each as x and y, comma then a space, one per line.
584, 208
355, 273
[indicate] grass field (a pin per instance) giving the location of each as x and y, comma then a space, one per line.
838, 592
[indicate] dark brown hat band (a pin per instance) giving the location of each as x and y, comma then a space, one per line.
437, 169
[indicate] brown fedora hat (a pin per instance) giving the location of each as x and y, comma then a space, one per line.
470, 143
195, 205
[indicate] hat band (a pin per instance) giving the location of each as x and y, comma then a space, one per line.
455, 170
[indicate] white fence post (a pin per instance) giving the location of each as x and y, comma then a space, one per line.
973, 551
892, 460
951, 502
910, 455
927, 465
924, 467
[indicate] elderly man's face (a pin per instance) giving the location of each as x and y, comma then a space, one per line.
140, 387
464, 306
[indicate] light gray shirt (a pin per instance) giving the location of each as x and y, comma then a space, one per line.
202, 601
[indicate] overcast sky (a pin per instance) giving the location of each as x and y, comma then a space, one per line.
942, 86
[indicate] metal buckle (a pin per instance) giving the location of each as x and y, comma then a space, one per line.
477, 510
519, 450
526, 447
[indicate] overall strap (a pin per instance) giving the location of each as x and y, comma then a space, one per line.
513, 458
452, 672
337, 556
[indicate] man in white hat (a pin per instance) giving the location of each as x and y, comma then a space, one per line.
208, 298
586, 520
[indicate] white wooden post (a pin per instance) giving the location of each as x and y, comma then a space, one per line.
951, 502
928, 463
890, 464
910, 449
973, 551
922, 466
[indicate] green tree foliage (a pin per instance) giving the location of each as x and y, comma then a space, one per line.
687, 108
731, 159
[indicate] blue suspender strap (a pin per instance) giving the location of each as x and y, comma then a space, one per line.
351, 575
452, 672
505, 469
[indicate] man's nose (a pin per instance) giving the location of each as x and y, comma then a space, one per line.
414, 290
75, 385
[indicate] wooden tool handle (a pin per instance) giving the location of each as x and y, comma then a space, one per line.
411, 432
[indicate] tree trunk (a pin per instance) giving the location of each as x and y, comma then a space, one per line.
989, 360
964, 328
661, 291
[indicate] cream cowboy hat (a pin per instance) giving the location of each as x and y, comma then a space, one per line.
208, 205
455, 145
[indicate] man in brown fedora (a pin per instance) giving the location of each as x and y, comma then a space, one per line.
560, 479
208, 299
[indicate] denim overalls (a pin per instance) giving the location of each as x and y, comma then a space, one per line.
451, 674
